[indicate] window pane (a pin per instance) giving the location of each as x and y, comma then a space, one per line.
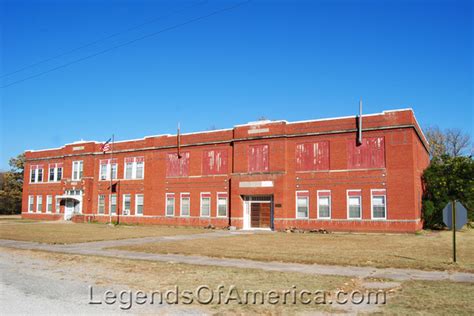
39, 202
128, 170
139, 170
113, 204
222, 207
324, 210
185, 206
103, 172
170, 206
139, 202
114, 171
59, 174
31, 203
40, 175
127, 202
101, 204
205, 206
354, 207
302, 203
378, 205
51, 174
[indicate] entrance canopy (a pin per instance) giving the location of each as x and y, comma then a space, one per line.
72, 197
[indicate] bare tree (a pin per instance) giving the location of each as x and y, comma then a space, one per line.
457, 142
437, 140
452, 142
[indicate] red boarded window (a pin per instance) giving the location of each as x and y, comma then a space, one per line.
258, 158
214, 161
371, 154
177, 167
312, 156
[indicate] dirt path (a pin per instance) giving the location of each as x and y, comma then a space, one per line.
99, 249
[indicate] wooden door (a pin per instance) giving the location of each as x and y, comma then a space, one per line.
260, 215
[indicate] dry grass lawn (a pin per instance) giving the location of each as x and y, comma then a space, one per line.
68, 232
412, 297
428, 250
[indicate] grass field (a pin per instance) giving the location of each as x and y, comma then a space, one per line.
411, 297
66, 233
428, 250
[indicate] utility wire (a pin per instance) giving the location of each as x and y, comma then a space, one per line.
100, 40
176, 26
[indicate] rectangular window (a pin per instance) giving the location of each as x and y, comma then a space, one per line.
58, 205
59, 172
324, 204
139, 204
126, 204
205, 204
302, 204
101, 204
39, 204
77, 169
31, 203
170, 201
177, 166
222, 204
312, 156
214, 162
106, 167
52, 172
370, 154
354, 204
134, 168
36, 173
258, 158
379, 204
185, 205
49, 204
113, 204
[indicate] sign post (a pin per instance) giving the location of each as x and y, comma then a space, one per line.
455, 217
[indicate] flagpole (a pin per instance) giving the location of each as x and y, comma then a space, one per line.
111, 161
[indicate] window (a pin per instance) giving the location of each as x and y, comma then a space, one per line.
370, 154
222, 204
302, 204
55, 172
354, 204
77, 169
31, 203
205, 204
170, 204
58, 205
113, 204
177, 167
36, 173
126, 204
214, 162
134, 168
312, 156
185, 204
49, 203
101, 204
139, 204
106, 167
39, 204
258, 158
324, 204
379, 206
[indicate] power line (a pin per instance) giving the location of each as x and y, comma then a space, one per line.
100, 40
193, 20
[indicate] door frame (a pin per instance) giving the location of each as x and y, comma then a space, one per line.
248, 200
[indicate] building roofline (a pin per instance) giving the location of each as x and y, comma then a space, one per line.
263, 122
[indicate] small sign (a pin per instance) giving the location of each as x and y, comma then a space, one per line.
258, 130
461, 215
256, 184
77, 148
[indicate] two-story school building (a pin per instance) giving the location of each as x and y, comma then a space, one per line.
261, 175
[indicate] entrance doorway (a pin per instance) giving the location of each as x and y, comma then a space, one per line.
258, 212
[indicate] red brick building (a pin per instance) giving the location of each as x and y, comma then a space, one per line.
261, 175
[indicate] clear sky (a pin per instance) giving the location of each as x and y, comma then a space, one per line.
292, 60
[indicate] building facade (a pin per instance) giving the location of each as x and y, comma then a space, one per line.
261, 175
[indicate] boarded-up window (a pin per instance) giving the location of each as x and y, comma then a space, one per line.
312, 156
214, 161
371, 154
177, 167
258, 158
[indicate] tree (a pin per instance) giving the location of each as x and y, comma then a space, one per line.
452, 142
447, 178
11, 192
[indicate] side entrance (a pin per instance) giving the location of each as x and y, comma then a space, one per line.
258, 212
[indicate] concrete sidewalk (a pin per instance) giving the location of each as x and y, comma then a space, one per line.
99, 249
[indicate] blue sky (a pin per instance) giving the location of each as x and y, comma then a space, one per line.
290, 60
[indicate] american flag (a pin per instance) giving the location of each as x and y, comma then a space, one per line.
106, 146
